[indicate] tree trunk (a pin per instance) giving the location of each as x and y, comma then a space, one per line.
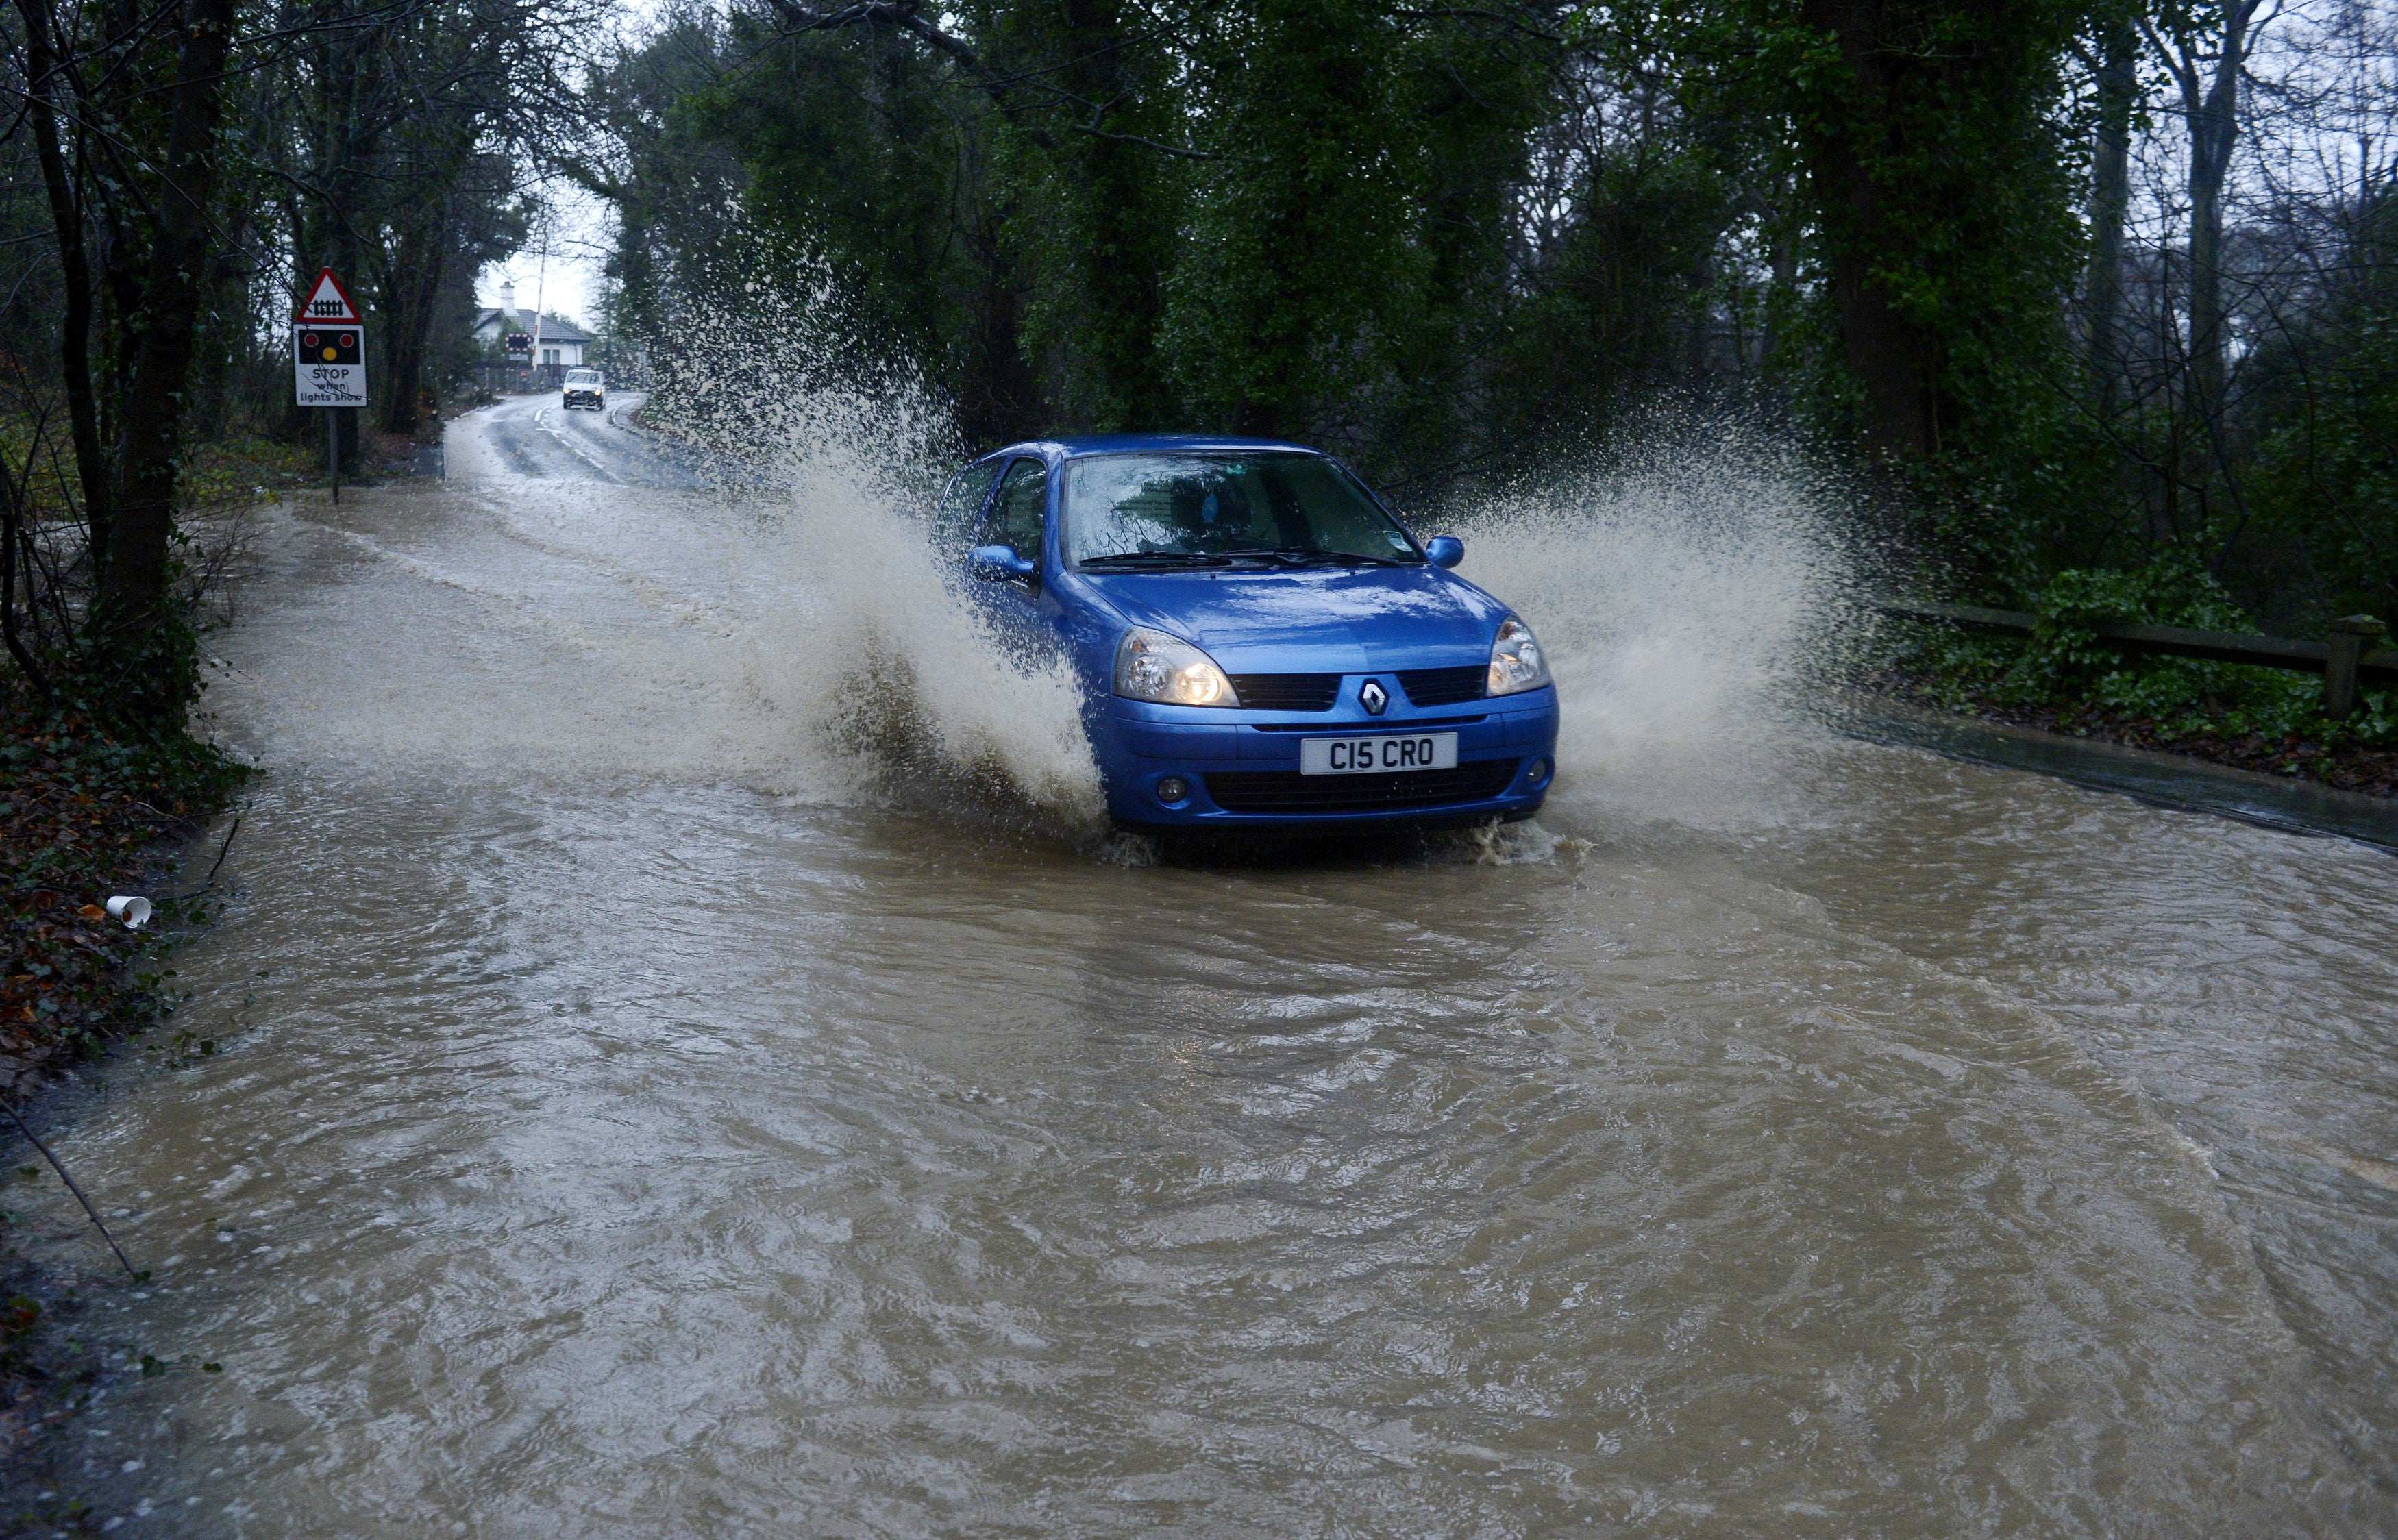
1782, 259
2212, 112
12, 499
410, 324
296, 420
341, 152
1894, 362
132, 597
1122, 275
66, 217
1890, 359
2211, 139
2110, 195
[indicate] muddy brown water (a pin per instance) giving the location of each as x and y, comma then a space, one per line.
634, 1117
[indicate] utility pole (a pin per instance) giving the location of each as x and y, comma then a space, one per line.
539, 281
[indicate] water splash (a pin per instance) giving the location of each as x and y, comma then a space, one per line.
837, 453
890, 669
1688, 594
1528, 843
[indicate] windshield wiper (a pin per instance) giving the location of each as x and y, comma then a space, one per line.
1156, 558
1312, 555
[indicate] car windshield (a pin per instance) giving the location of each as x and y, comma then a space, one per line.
1217, 509
583, 377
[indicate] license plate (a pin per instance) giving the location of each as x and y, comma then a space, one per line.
1380, 755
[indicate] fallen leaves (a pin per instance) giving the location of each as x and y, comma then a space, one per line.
79, 817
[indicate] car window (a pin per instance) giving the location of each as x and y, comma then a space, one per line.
961, 502
1196, 504
1016, 513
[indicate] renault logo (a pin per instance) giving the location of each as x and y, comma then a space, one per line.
1373, 697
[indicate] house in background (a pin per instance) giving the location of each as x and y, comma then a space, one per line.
557, 343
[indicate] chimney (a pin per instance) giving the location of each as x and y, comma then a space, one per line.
508, 300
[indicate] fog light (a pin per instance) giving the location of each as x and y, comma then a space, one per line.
1172, 789
1539, 773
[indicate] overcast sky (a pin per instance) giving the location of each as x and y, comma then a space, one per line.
568, 281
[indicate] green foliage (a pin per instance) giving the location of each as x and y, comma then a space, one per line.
852, 145
1939, 165
2066, 666
1351, 226
1084, 223
235, 469
1630, 282
1278, 217
1457, 243
677, 203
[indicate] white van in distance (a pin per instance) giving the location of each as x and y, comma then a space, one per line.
584, 388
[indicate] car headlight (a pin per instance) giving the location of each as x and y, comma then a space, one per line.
1152, 665
1516, 661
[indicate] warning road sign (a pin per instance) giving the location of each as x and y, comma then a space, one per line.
328, 367
329, 348
329, 302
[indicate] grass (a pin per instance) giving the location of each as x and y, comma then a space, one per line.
244, 468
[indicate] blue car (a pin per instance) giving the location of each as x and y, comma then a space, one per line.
1263, 644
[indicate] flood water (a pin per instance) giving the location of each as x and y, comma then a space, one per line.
660, 1092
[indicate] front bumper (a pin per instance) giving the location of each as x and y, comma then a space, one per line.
1240, 769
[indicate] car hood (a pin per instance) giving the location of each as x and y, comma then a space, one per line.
1314, 620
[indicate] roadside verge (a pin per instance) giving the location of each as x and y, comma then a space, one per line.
84, 816
2162, 779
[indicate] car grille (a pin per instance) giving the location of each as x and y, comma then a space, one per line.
1288, 791
1445, 686
1287, 691
1413, 723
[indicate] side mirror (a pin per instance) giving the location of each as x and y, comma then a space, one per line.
1443, 550
998, 563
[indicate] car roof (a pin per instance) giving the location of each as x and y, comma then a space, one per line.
1146, 443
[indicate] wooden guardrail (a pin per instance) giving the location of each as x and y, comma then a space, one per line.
2343, 660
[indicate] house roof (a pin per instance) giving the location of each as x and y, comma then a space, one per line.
552, 329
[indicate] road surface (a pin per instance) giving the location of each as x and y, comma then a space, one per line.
687, 1064
536, 436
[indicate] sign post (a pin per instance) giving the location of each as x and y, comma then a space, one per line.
329, 361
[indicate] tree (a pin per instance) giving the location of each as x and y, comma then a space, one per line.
1937, 173
1095, 215
137, 151
166, 150
1091, 157
2115, 71
2205, 49
384, 131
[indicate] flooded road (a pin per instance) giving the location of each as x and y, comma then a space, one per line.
657, 1094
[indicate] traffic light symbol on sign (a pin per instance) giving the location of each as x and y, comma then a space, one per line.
330, 345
